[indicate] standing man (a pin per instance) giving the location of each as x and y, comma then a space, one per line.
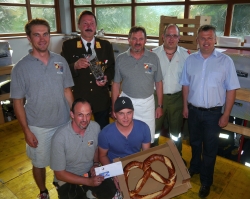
172, 58
139, 70
86, 86
209, 82
74, 156
42, 79
123, 137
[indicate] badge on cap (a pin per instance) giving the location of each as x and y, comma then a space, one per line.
97, 44
79, 44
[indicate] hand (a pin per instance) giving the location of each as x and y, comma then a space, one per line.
30, 139
185, 112
102, 83
223, 121
116, 181
96, 181
81, 63
92, 170
113, 114
158, 112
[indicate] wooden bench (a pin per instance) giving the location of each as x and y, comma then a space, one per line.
243, 95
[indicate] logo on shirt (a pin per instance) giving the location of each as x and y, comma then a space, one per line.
148, 68
90, 142
59, 67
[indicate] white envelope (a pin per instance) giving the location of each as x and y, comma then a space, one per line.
110, 170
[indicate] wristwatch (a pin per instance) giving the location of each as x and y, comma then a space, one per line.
161, 106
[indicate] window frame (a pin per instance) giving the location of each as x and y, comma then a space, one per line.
187, 3
28, 5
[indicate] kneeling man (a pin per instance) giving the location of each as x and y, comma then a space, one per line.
74, 155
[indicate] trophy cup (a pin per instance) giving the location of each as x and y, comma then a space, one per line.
95, 65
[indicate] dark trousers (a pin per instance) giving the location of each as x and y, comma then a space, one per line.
106, 190
204, 140
172, 118
102, 118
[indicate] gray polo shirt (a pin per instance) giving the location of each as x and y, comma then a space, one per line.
73, 152
43, 87
138, 76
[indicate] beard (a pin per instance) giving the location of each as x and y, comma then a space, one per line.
137, 50
83, 125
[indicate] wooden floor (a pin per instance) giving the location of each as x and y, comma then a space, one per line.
231, 179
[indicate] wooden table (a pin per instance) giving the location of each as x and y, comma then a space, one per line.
4, 70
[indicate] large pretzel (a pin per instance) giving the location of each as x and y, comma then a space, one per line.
148, 172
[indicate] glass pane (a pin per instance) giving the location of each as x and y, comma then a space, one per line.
12, 19
241, 22
82, 2
46, 2
146, 1
12, 1
217, 12
149, 16
78, 11
114, 19
45, 13
112, 1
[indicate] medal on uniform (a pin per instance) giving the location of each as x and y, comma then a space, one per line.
79, 44
97, 44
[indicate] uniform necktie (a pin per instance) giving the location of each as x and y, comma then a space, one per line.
89, 49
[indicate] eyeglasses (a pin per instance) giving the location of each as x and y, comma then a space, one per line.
173, 36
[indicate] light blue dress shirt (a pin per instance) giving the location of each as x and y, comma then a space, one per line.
209, 79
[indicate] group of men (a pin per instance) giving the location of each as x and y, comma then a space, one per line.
149, 90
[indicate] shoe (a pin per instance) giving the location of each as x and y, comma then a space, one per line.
43, 196
204, 191
90, 195
118, 195
191, 173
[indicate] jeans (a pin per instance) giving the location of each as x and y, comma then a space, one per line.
204, 140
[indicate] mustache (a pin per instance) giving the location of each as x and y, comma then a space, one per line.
89, 30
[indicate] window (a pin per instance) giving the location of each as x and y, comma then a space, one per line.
149, 16
217, 12
14, 14
117, 16
241, 20
112, 19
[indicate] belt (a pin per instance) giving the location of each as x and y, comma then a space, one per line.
206, 109
172, 93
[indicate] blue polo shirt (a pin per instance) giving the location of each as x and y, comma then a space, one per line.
118, 145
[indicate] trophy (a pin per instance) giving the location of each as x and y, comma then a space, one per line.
95, 65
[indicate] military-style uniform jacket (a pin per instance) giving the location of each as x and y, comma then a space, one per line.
85, 82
